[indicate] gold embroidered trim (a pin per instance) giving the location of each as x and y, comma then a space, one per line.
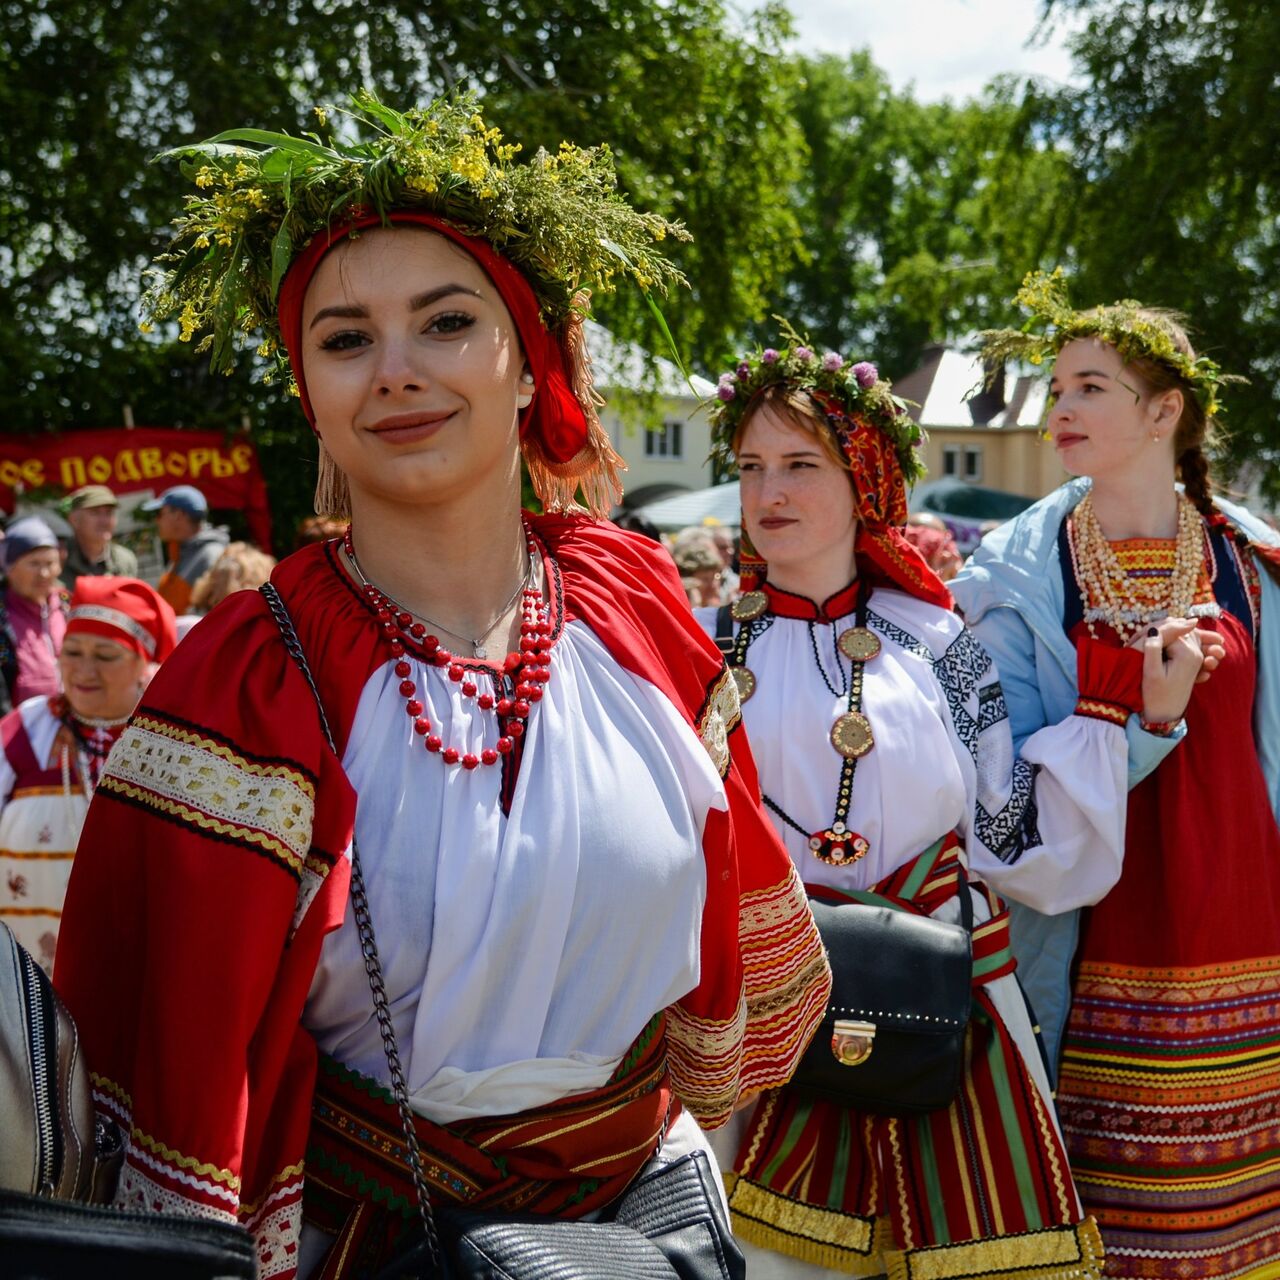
196, 818
176, 1158
249, 1207
824, 1237
1058, 1253
865, 1247
165, 730
705, 1056
111, 1088
1098, 710
720, 715
787, 976
210, 786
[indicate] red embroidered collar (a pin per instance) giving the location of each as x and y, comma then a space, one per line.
785, 604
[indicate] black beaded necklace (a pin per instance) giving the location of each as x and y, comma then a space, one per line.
851, 734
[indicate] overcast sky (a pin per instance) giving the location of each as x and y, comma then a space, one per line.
947, 48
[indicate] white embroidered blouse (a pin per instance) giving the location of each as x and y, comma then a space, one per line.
495, 929
1045, 828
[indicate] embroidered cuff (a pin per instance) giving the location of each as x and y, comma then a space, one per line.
1161, 728
1109, 679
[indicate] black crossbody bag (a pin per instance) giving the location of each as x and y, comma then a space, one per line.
892, 1039
669, 1224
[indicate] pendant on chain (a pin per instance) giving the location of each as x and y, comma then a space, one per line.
837, 845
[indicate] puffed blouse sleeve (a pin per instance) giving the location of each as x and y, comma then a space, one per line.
1045, 825
210, 868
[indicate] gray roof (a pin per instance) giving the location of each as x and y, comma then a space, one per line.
947, 387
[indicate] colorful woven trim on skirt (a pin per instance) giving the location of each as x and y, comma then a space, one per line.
565, 1160
1170, 1103
980, 1188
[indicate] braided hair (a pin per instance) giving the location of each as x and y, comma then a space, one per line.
1196, 433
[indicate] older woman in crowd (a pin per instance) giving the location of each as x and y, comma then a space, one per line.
53, 747
33, 615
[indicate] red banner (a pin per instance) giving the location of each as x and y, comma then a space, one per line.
128, 459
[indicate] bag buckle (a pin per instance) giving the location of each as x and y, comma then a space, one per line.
852, 1042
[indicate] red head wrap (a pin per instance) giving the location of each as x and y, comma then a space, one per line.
124, 610
880, 499
555, 418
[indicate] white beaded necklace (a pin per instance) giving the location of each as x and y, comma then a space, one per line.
1106, 590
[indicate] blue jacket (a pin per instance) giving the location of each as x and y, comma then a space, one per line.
1011, 594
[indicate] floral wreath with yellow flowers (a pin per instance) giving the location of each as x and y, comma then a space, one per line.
261, 196
853, 389
1135, 331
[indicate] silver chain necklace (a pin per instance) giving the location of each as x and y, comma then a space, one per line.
477, 644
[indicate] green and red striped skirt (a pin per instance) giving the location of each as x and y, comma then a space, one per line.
981, 1188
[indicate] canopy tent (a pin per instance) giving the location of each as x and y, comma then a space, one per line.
719, 503
646, 494
964, 507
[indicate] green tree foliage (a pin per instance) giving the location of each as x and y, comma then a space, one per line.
693, 102
919, 218
1176, 135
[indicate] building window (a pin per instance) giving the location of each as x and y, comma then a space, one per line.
666, 441
962, 461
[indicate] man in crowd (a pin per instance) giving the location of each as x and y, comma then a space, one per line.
194, 544
91, 513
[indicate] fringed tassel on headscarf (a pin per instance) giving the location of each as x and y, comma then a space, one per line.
333, 496
596, 468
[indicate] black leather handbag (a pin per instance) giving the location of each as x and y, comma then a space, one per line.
43, 1239
669, 1225
892, 1040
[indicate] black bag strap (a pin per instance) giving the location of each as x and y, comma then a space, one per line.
724, 629
966, 901
368, 949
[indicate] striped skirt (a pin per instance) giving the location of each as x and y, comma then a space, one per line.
980, 1188
1170, 1103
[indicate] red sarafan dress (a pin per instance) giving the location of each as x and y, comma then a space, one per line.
552, 1027
1170, 1083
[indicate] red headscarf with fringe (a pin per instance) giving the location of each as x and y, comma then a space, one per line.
880, 499
555, 417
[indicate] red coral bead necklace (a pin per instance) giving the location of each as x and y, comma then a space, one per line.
519, 679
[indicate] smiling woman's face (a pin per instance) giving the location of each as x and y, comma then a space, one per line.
412, 364
797, 503
99, 676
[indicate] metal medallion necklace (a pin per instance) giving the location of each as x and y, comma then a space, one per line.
851, 735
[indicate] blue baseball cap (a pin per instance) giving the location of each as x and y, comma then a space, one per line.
182, 497
29, 533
